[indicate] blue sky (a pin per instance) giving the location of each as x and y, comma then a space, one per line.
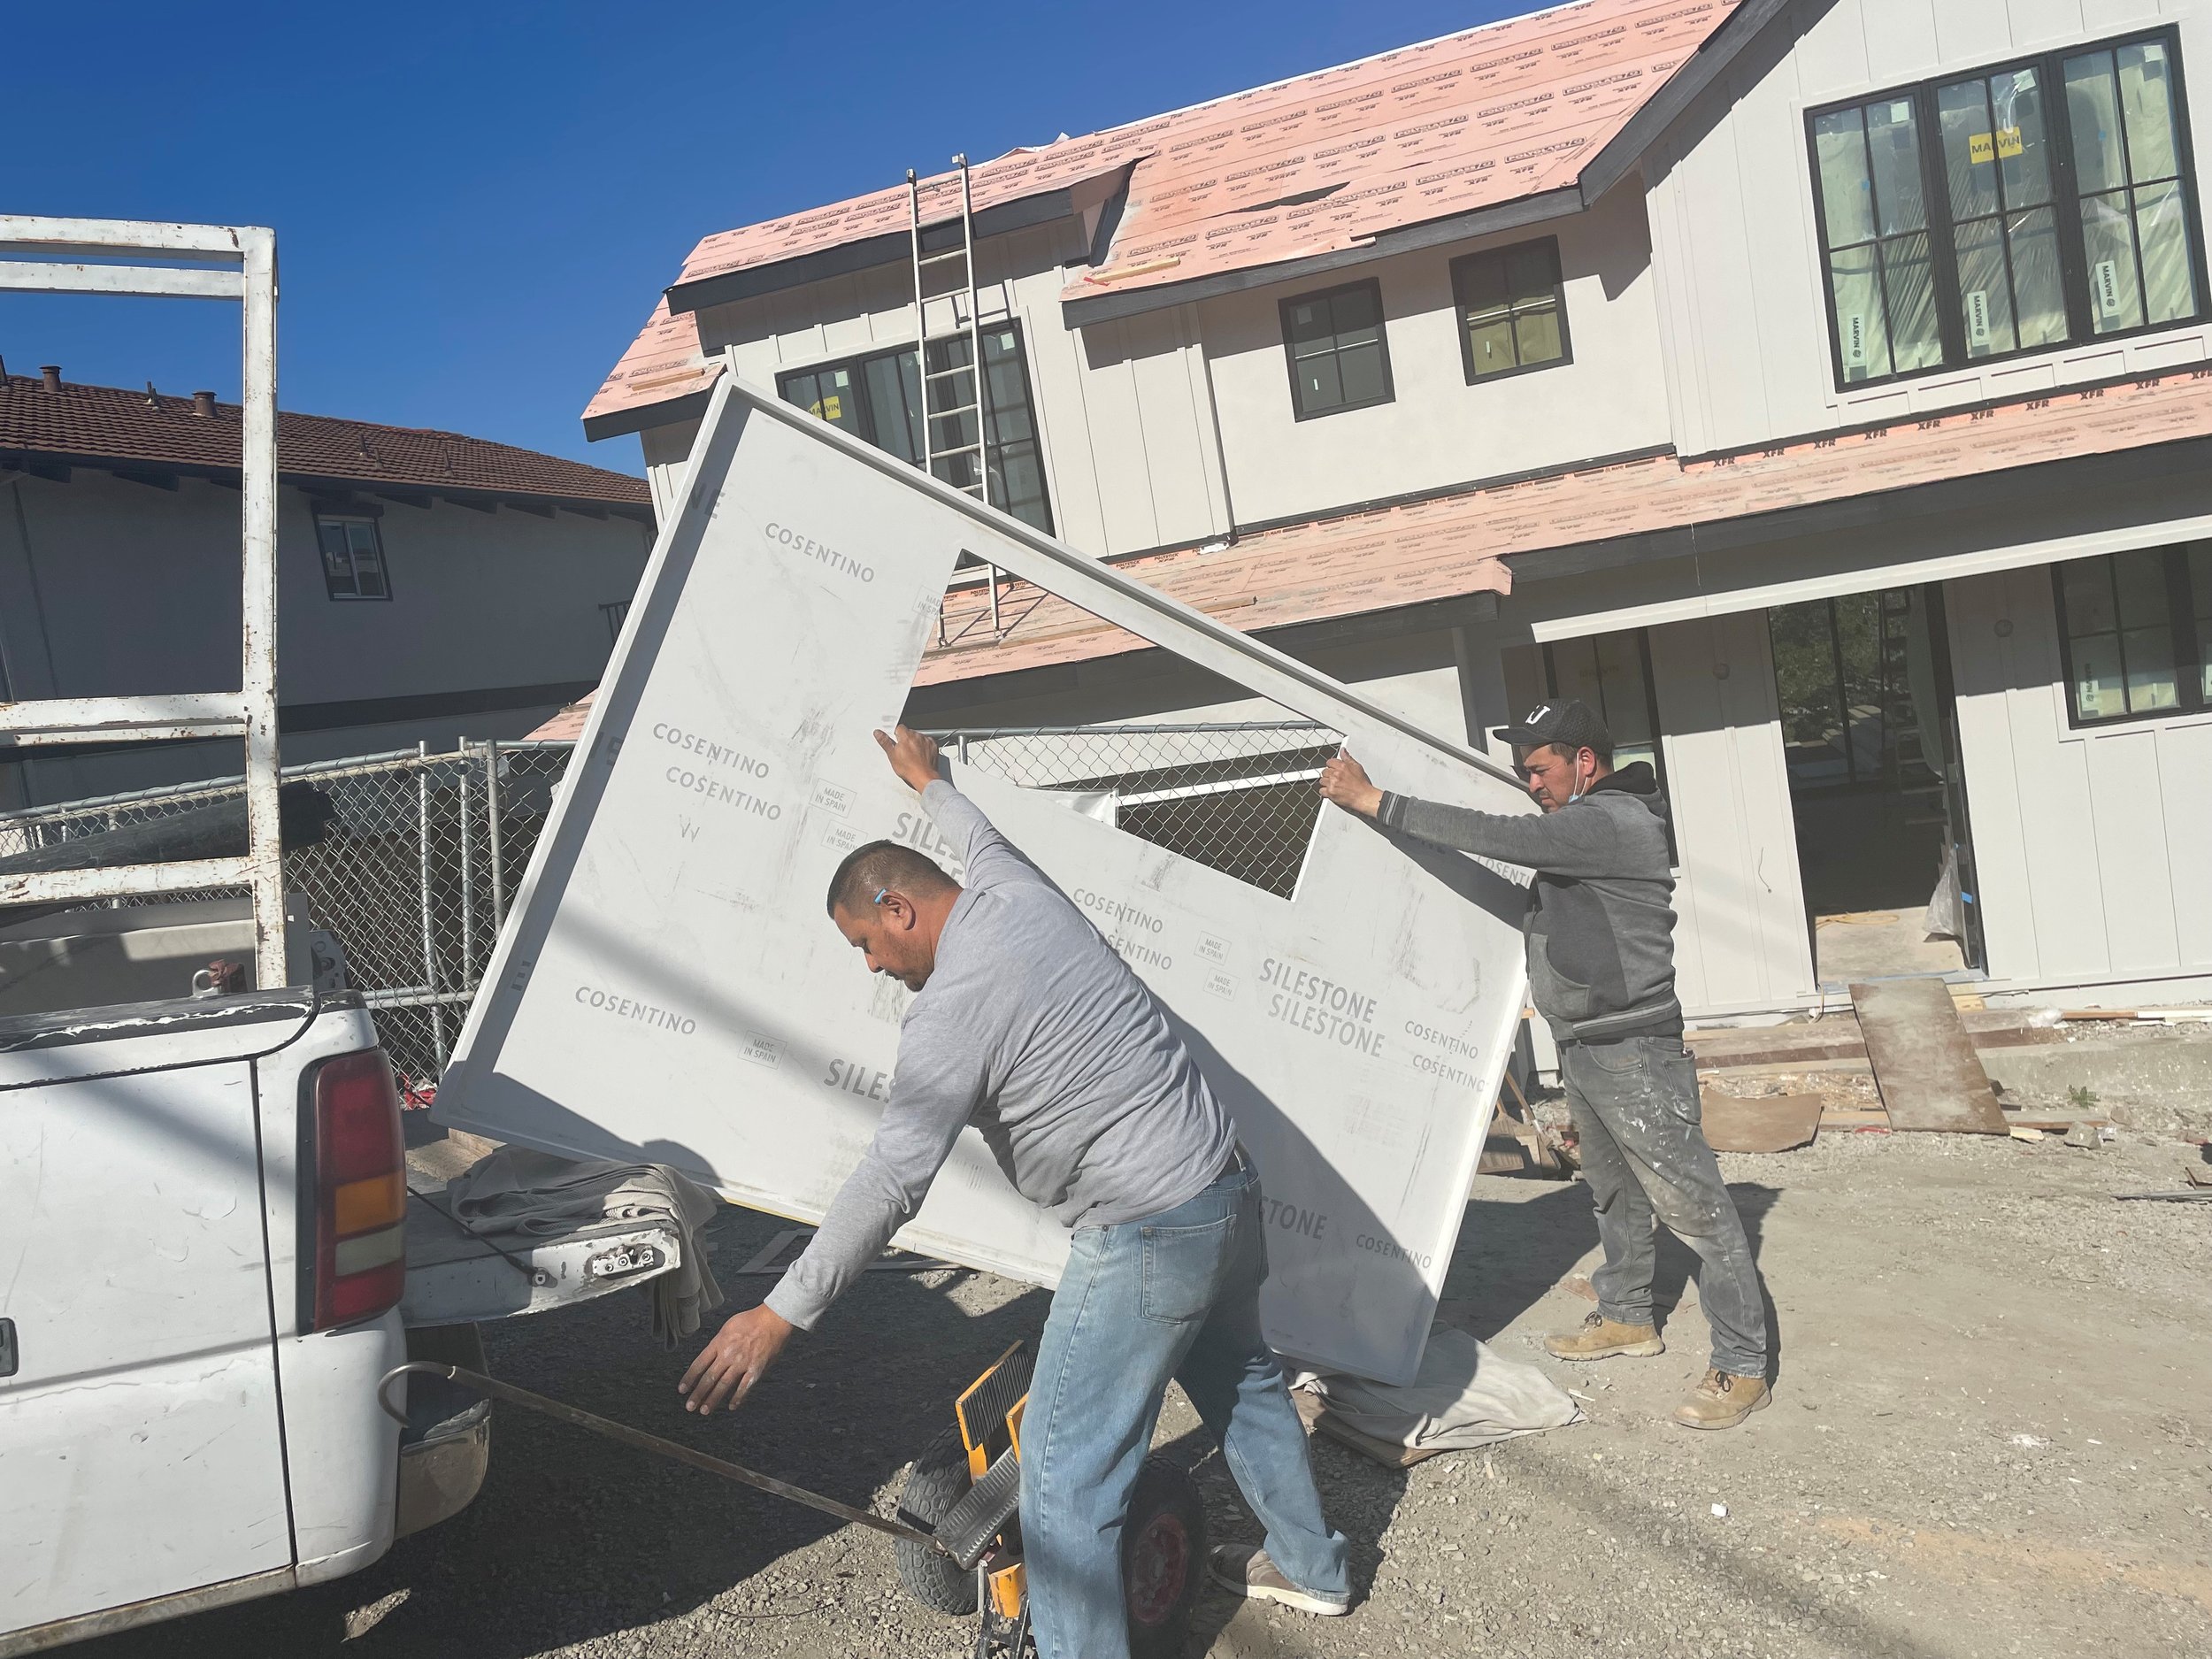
477, 205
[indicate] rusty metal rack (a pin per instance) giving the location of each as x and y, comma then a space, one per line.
220, 262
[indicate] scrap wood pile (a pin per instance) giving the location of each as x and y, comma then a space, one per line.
1906, 1058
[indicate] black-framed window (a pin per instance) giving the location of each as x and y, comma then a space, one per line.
353, 556
1512, 310
1855, 690
878, 398
2135, 632
1612, 673
2041, 203
1339, 358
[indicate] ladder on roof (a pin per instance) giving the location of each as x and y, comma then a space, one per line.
959, 380
956, 389
234, 261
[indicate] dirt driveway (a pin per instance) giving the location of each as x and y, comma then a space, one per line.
1990, 1438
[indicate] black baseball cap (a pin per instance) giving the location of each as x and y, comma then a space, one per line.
1570, 723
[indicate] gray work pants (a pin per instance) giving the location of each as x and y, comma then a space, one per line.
1644, 1153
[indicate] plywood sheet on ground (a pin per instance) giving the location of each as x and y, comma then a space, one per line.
1924, 1061
668, 986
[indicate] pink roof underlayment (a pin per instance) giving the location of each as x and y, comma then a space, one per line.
1319, 164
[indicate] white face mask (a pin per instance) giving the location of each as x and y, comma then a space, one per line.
1581, 783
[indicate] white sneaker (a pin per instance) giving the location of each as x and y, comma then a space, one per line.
1246, 1569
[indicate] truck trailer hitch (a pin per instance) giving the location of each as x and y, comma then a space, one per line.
493, 1388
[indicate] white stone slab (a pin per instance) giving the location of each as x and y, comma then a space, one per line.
668, 985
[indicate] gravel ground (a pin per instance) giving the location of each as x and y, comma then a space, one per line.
1989, 1438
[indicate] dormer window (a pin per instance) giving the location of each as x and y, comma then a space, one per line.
2044, 203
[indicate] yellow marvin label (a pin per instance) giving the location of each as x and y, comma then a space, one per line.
1983, 147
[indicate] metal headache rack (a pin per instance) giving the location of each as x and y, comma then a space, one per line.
220, 262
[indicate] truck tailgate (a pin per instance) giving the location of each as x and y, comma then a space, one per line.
455, 1276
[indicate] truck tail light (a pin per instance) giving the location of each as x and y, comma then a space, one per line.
360, 1190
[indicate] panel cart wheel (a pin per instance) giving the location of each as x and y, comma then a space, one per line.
1163, 1558
938, 1480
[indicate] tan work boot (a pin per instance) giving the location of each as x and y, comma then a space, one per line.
1600, 1338
1722, 1400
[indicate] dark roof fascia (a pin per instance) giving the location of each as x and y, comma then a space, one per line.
43, 462
891, 248
1718, 51
1481, 221
690, 406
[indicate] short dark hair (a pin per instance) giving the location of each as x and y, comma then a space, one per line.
880, 867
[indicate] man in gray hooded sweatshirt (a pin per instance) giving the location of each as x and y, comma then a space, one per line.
1600, 932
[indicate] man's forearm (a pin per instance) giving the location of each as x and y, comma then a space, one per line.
1574, 843
866, 1211
939, 1081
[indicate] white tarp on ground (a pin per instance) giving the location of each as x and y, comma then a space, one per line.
668, 988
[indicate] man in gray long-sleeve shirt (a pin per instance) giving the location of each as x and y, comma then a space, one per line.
1600, 931
1025, 1024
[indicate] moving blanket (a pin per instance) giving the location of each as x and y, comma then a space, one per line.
517, 1189
1466, 1394
667, 988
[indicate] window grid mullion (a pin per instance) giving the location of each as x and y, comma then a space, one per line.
2119, 633
1881, 262
1935, 196
2127, 185
2181, 612
2073, 259
2004, 207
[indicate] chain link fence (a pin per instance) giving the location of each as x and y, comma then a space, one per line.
421, 852
1239, 798
412, 870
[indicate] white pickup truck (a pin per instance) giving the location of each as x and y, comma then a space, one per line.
210, 1253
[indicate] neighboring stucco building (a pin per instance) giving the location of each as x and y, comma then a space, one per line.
429, 585
1823, 387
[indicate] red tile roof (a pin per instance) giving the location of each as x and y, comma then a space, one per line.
1485, 116
102, 424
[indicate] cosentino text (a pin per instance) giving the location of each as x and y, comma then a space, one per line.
629, 1007
807, 547
710, 753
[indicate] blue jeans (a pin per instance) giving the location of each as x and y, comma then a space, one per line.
1176, 1294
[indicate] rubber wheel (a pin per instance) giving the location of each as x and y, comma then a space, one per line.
938, 1480
1163, 1558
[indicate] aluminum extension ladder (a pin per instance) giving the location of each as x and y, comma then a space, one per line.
228, 262
963, 297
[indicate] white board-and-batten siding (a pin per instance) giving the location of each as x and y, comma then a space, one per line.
2094, 846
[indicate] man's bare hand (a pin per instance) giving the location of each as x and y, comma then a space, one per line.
740, 1353
1345, 781
913, 756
